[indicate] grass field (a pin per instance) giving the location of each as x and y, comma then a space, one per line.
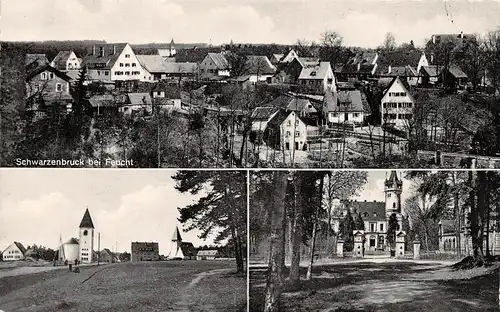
397, 286
144, 286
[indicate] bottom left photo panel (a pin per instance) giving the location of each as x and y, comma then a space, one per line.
123, 240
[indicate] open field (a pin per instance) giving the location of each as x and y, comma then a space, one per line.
145, 286
395, 286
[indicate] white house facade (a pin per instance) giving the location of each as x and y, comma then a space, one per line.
293, 132
397, 105
14, 252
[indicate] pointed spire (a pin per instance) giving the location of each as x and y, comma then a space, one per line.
393, 177
87, 220
176, 237
172, 43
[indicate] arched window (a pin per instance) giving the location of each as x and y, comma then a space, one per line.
85, 233
393, 205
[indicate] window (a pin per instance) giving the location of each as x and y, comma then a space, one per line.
372, 227
106, 73
288, 133
51, 75
297, 133
381, 227
289, 123
121, 64
389, 195
127, 65
330, 81
134, 64
393, 205
356, 114
127, 73
127, 55
59, 87
98, 72
43, 76
85, 233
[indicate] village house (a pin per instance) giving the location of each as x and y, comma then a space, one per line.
300, 104
103, 104
166, 97
258, 69
211, 254
284, 58
317, 79
286, 131
396, 107
344, 106
180, 250
455, 78
430, 75
403, 63
115, 61
144, 251
261, 116
66, 60
215, 65
14, 252
107, 256
362, 66
169, 51
290, 73
34, 61
47, 88
161, 69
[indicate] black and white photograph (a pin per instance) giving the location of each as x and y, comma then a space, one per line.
250, 84
123, 240
374, 241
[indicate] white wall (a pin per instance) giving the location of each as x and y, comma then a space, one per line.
142, 74
390, 99
71, 252
86, 245
73, 62
12, 253
339, 117
290, 127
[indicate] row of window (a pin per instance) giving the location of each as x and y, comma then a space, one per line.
85, 253
106, 73
289, 123
45, 76
373, 227
119, 73
36, 87
398, 116
14, 252
397, 105
12, 257
145, 249
127, 65
397, 93
297, 133
337, 115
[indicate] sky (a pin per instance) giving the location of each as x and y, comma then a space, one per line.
362, 23
37, 206
374, 187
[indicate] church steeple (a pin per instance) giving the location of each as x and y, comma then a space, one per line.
87, 220
176, 237
393, 187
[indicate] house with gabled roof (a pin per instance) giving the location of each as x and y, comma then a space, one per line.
361, 66
258, 68
137, 104
430, 75
261, 116
215, 65
66, 60
144, 251
291, 71
108, 256
345, 106
317, 79
161, 69
114, 61
210, 254
32, 61
284, 58
397, 104
300, 104
180, 250
286, 131
168, 51
14, 252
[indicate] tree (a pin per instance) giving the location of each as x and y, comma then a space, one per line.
331, 48
274, 285
392, 227
222, 211
304, 47
124, 256
359, 224
346, 228
389, 42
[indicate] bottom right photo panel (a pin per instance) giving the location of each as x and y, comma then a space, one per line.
374, 240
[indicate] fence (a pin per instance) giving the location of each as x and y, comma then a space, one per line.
463, 160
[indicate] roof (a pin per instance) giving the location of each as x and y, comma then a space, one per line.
403, 71
106, 250
185, 67
188, 249
258, 64
299, 104
370, 210
149, 245
40, 58
393, 178
307, 61
61, 58
398, 58
432, 70
317, 72
72, 241
41, 69
177, 235
87, 220
139, 98
363, 58
279, 118
21, 247
404, 82
264, 112
211, 252
171, 92
278, 56
457, 72
104, 100
219, 60
111, 53
152, 63
344, 101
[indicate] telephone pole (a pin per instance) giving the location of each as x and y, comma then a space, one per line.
98, 247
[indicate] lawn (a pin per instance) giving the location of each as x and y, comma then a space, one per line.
397, 286
143, 286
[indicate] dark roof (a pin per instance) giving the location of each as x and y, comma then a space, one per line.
370, 211
393, 178
106, 250
188, 249
344, 101
404, 82
258, 64
72, 241
41, 69
278, 119
363, 58
211, 252
264, 112
177, 235
219, 60
300, 104
41, 59
104, 100
111, 52
171, 92
61, 59
431, 70
87, 220
140, 98
21, 247
398, 58
403, 71
456, 72
136, 245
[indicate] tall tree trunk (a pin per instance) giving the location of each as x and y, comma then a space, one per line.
274, 285
314, 230
475, 219
458, 216
487, 213
296, 235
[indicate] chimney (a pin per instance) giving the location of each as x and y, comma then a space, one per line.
462, 34
93, 50
114, 49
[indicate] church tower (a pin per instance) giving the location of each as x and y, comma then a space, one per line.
393, 187
175, 245
171, 47
86, 238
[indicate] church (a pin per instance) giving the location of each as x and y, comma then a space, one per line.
375, 214
180, 250
81, 249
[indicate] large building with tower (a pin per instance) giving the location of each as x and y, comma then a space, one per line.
81, 249
376, 214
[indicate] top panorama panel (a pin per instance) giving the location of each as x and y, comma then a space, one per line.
337, 99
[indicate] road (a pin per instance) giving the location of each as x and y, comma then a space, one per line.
385, 287
183, 286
